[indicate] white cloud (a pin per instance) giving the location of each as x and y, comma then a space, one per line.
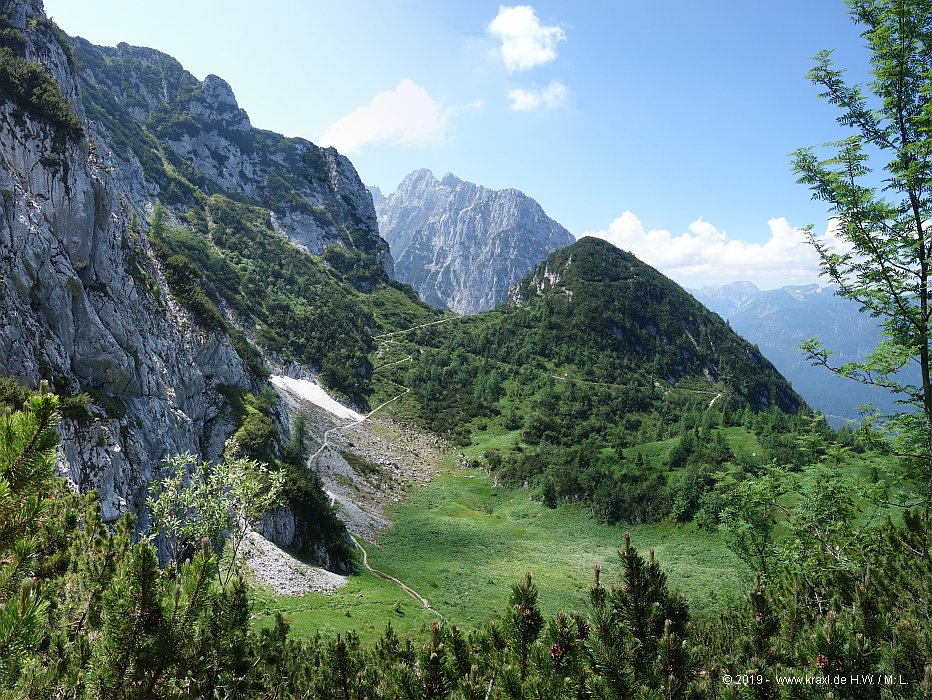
526, 43
555, 94
705, 254
406, 116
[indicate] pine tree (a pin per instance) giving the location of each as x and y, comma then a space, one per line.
132, 644
341, 669
674, 664
608, 646
560, 663
432, 666
646, 605
639, 631
759, 644
225, 642
524, 621
461, 659
27, 459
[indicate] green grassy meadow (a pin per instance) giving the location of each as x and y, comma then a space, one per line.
365, 605
462, 542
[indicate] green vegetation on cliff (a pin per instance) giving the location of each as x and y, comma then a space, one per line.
290, 302
27, 83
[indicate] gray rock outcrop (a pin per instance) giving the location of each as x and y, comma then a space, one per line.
76, 311
463, 246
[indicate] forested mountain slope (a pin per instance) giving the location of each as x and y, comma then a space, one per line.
595, 351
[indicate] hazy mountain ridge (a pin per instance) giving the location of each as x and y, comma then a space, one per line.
778, 320
460, 245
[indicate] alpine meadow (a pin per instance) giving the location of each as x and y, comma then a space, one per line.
267, 432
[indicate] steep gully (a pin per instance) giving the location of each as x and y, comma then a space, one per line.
384, 339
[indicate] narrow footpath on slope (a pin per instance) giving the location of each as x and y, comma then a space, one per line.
384, 576
348, 426
388, 577
310, 391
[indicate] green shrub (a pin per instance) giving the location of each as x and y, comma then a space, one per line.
12, 394
256, 436
76, 406
30, 86
112, 405
184, 283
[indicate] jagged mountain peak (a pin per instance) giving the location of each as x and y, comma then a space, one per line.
450, 180
462, 246
421, 176
376, 194
156, 111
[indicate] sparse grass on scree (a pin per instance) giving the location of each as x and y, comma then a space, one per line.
365, 605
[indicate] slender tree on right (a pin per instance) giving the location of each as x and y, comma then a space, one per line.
884, 221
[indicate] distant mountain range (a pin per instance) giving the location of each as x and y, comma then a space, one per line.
460, 245
778, 320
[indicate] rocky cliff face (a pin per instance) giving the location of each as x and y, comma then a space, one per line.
75, 309
463, 246
314, 194
82, 296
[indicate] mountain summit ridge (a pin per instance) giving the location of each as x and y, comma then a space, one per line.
606, 299
314, 193
463, 246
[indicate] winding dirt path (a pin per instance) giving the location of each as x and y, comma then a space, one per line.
413, 328
341, 428
388, 577
382, 575
384, 338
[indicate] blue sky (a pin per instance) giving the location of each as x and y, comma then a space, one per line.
664, 126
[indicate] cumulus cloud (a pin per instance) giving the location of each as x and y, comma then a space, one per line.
526, 42
706, 255
555, 94
407, 115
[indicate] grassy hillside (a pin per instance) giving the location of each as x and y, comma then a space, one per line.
597, 353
